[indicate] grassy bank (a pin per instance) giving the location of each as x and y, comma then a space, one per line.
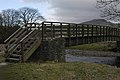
59, 71
100, 46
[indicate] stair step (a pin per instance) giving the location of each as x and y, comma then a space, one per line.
17, 52
13, 59
15, 55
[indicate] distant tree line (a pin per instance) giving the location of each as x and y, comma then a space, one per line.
6, 31
11, 20
12, 17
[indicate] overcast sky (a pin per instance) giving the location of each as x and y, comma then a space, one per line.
58, 10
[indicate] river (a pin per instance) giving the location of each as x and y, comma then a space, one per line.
99, 60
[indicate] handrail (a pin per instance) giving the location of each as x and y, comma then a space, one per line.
12, 35
12, 49
27, 35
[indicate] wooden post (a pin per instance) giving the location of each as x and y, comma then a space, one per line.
100, 34
118, 34
61, 30
69, 35
73, 30
103, 33
110, 34
87, 33
92, 34
42, 31
76, 34
79, 31
79, 35
52, 30
106, 33
96, 33
82, 34
113, 35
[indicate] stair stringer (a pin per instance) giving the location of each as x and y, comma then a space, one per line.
27, 54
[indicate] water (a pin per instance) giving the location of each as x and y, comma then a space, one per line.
100, 60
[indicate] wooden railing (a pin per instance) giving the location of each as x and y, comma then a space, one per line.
79, 33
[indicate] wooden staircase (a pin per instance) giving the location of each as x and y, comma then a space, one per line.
22, 43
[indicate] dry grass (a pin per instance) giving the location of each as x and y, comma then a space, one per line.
101, 46
59, 71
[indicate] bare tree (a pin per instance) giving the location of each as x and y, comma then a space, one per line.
29, 15
10, 17
110, 9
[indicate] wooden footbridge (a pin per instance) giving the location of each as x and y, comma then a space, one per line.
23, 43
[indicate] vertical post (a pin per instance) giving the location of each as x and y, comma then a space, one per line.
53, 31
73, 30
42, 31
82, 34
96, 33
69, 35
61, 30
100, 34
112, 34
76, 34
107, 33
116, 33
87, 33
79, 30
92, 34
103, 33
51, 25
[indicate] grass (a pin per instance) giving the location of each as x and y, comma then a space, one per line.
101, 46
59, 71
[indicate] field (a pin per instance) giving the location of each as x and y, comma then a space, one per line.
63, 71
59, 71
